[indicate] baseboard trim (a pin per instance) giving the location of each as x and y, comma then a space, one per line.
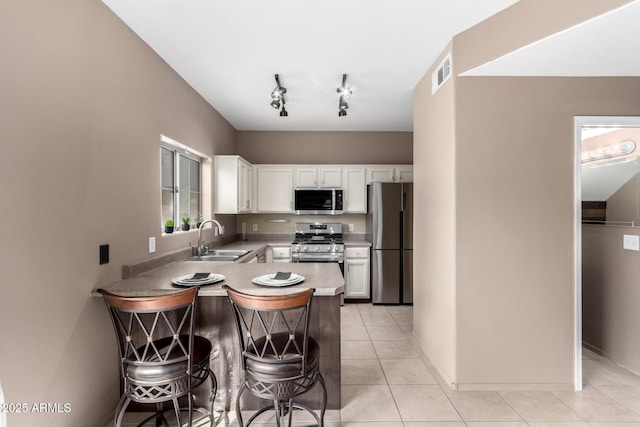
515, 387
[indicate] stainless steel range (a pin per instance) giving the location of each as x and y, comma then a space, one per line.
316, 242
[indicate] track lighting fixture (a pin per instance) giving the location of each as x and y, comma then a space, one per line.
345, 93
277, 95
344, 90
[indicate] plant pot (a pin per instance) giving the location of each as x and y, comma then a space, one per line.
168, 229
186, 227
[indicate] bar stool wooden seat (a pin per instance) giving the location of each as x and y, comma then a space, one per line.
161, 359
279, 358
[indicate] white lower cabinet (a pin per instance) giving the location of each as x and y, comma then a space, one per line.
357, 273
278, 254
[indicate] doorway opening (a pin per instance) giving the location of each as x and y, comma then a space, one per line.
607, 201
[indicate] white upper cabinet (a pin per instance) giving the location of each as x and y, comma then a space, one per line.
241, 187
381, 174
330, 177
355, 190
318, 177
390, 173
404, 173
245, 187
233, 185
307, 177
275, 189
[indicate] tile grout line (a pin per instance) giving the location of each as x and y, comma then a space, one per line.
499, 393
614, 399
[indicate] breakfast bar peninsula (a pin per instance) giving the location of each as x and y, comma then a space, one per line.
215, 320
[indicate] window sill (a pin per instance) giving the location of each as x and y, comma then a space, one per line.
178, 232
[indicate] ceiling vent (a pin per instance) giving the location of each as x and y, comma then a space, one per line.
441, 74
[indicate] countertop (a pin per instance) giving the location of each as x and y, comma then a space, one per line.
326, 278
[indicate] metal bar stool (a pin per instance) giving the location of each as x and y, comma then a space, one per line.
161, 359
279, 358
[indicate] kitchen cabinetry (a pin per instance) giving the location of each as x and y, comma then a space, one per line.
404, 174
321, 177
383, 173
259, 257
278, 254
275, 189
357, 273
233, 185
355, 190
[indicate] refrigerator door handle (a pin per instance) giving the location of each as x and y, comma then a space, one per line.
377, 198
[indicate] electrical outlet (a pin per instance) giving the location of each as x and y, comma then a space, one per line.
352, 227
152, 245
254, 227
222, 229
631, 242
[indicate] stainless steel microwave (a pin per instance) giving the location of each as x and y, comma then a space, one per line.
321, 201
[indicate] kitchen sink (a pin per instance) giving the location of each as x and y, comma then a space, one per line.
214, 257
222, 255
228, 252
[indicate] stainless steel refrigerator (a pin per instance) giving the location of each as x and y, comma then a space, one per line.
390, 228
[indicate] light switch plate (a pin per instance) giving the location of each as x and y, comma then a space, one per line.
631, 242
152, 245
254, 227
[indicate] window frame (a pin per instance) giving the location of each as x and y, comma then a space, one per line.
178, 150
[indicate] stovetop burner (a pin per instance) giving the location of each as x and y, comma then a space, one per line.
318, 242
336, 239
318, 232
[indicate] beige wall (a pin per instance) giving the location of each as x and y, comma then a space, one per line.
326, 147
83, 104
434, 278
507, 183
514, 192
610, 294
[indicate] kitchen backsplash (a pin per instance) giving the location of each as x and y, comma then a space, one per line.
285, 223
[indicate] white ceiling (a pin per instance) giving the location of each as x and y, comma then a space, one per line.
229, 51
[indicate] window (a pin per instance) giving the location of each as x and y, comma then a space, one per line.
180, 184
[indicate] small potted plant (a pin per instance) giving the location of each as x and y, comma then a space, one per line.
168, 226
186, 223
199, 220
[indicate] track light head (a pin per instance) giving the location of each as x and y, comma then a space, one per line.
345, 93
342, 105
344, 90
277, 94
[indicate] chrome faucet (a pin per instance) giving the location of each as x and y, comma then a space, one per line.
202, 249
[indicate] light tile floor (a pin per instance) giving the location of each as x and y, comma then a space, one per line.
387, 381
